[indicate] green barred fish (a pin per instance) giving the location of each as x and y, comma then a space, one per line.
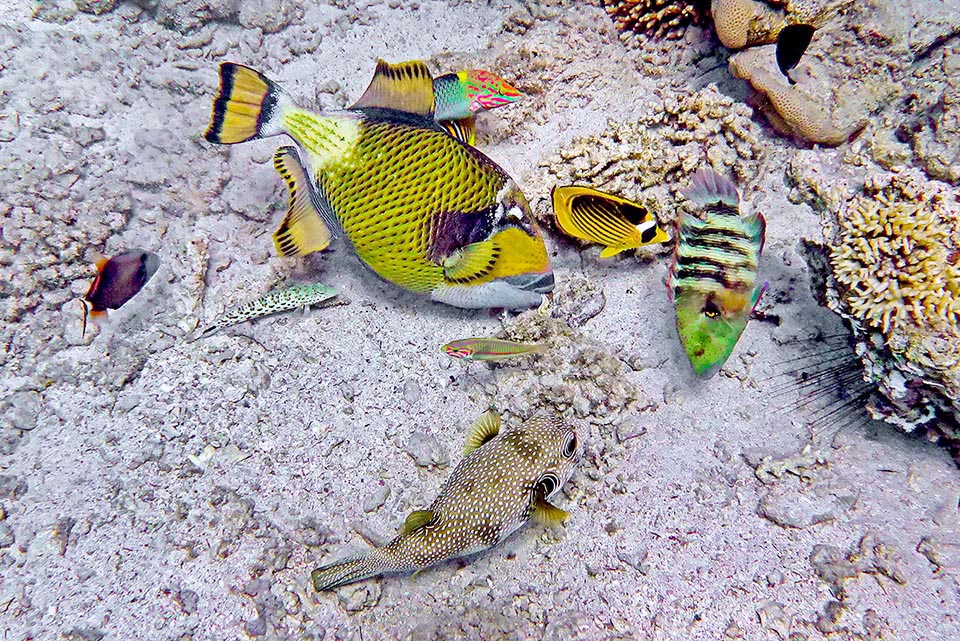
505, 479
489, 349
273, 302
713, 280
420, 207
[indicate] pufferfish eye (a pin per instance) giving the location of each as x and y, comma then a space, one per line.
570, 446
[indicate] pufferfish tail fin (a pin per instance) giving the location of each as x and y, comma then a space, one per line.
710, 188
248, 106
347, 571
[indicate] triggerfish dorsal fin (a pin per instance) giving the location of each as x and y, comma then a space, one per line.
417, 520
463, 129
486, 427
471, 262
302, 231
710, 188
405, 86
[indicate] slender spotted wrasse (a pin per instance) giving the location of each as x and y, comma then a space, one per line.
273, 302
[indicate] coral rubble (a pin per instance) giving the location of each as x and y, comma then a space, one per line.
637, 160
894, 257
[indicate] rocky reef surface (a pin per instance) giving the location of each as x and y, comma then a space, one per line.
156, 489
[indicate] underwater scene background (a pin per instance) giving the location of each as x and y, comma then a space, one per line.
167, 472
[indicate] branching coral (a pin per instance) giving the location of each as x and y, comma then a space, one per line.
659, 17
894, 274
897, 263
637, 160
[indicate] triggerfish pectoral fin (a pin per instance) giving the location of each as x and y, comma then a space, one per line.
471, 262
302, 231
405, 86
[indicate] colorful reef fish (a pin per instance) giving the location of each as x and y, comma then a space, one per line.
713, 280
461, 95
597, 217
273, 302
118, 280
489, 349
505, 478
420, 208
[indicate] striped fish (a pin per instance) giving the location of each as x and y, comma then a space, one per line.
713, 280
598, 217
505, 478
489, 349
273, 302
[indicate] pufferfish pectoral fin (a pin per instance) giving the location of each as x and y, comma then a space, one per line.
486, 427
471, 262
302, 231
405, 86
545, 513
463, 129
417, 520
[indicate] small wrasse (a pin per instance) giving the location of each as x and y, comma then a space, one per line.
505, 478
598, 217
118, 280
273, 302
713, 279
489, 349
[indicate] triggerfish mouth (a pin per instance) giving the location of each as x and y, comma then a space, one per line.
422, 208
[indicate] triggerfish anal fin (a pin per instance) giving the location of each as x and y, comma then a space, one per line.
405, 86
463, 129
470, 262
302, 231
486, 427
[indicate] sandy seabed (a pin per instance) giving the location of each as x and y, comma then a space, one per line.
156, 489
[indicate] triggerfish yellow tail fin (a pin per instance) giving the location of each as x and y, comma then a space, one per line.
302, 231
405, 86
249, 106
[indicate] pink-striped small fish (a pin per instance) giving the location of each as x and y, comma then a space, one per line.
489, 349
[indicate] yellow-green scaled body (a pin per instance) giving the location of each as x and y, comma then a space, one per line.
504, 480
422, 209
